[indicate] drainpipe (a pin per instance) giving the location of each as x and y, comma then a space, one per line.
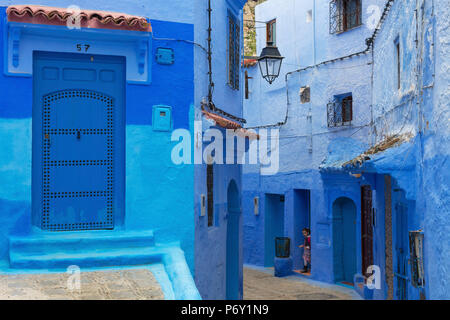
310, 149
211, 83
314, 31
372, 122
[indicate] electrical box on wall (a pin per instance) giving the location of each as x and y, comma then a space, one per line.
165, 56
162, 118
202, 205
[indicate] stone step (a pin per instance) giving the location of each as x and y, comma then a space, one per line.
44, 243
86, 258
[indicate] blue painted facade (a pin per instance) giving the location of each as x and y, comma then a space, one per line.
312, 175
417, 108
161, 200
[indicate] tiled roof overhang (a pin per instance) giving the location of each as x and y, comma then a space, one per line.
88, 18
247, 63
228, 124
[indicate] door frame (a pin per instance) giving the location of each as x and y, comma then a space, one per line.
401, 243
334, 230
367, 256
232, 290
119, 127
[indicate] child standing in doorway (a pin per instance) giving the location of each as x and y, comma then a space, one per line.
307, 249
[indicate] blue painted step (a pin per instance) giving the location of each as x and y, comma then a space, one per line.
87, 259
91, 248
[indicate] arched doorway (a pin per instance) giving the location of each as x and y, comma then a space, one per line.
232, 272
344, 240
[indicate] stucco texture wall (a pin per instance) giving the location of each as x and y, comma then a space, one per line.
435, 163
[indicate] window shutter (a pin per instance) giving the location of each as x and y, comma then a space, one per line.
347, 109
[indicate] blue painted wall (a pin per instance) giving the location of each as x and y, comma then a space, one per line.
419, 108
305, 140
159, 195
210, 242
150, 174
307, 144
435, 164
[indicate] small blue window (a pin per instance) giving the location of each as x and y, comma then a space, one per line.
162, 118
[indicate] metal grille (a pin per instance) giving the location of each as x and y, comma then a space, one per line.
47, 194
340, 112
233, 51
344, 15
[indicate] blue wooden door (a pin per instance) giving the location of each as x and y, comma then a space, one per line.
78, 141
344, 240
401, 251
233, 239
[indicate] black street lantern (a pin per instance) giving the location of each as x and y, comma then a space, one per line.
270, 62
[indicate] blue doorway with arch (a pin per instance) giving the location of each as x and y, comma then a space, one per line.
78, 178
344, 240
232, 262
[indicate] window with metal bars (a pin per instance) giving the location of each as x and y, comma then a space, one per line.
340, 112
210, 193
234, 53
344, 15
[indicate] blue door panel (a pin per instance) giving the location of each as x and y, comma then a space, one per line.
88, 209
401, 251
78, 147
344, 240
232, 273
69, 111
78, 141
80, 177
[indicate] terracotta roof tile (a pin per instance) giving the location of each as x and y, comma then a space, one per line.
88, 18
228, 124
247, 63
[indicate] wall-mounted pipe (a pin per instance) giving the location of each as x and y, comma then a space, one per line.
210, 104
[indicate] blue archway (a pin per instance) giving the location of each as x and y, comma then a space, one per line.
344, 240
233, 215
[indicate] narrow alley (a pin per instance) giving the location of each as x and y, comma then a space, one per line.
260, 284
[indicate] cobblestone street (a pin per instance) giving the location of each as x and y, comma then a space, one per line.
260, 284
133, 284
